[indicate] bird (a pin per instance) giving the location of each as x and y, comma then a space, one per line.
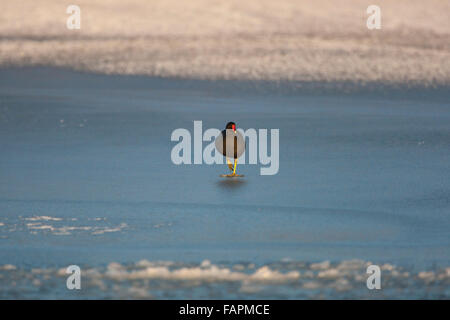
231, 144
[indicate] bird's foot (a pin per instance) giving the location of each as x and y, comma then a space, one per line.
231, 175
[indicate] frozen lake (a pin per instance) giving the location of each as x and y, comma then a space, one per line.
86, 178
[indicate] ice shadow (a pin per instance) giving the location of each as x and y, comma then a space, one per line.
231, 183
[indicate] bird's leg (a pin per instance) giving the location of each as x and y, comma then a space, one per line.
230, 165
232, 168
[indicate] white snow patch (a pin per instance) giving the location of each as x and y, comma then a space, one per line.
8, 267
43, 218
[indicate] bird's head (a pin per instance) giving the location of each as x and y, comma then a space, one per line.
231, 125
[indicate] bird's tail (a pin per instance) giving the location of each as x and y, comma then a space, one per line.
230, 165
